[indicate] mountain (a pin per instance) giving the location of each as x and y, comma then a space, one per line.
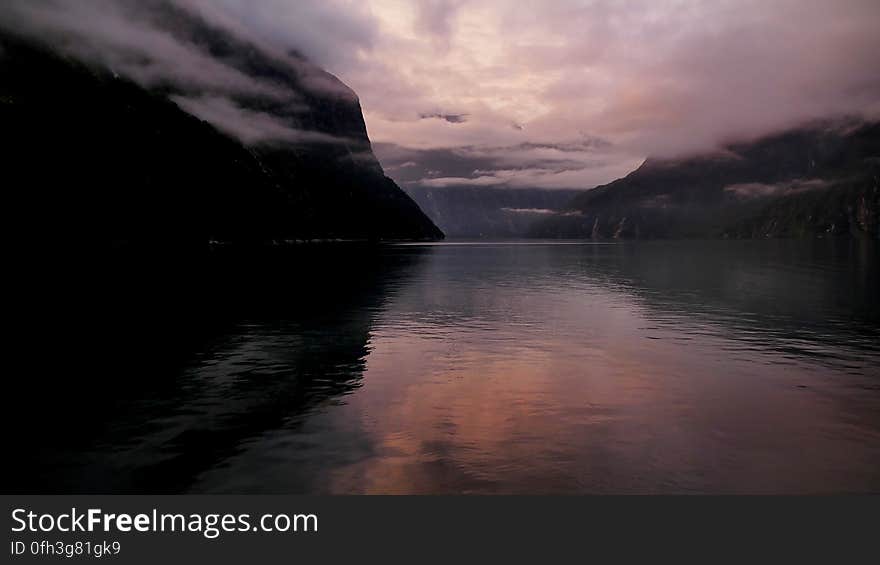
478, 211
116, 149
821, 179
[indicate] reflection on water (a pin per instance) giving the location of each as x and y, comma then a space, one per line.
479, 368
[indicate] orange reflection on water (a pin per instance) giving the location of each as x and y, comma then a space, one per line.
633, 413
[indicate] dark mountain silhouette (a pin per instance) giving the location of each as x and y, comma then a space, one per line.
91, 156
818, 180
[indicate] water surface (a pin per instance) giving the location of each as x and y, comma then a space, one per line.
474, 367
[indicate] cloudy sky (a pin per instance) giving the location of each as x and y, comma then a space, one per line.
573, 93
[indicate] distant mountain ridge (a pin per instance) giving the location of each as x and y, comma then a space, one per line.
487, 212
92, 154
822, 179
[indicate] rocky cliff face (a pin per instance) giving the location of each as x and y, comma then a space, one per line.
103, 143
819, 180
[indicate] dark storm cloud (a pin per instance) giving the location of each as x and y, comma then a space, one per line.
412, 165
514, 167
451, 118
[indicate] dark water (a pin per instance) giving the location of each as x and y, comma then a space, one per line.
663, 367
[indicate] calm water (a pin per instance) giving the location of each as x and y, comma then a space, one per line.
663, 367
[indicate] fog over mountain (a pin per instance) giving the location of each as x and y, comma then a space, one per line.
647, 78
153, 42
819, 180
570, 94
165, 121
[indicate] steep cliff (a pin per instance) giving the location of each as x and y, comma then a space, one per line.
100, 149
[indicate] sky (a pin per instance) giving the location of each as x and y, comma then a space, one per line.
562, 93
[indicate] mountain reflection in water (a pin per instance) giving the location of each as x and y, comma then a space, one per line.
533, 367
